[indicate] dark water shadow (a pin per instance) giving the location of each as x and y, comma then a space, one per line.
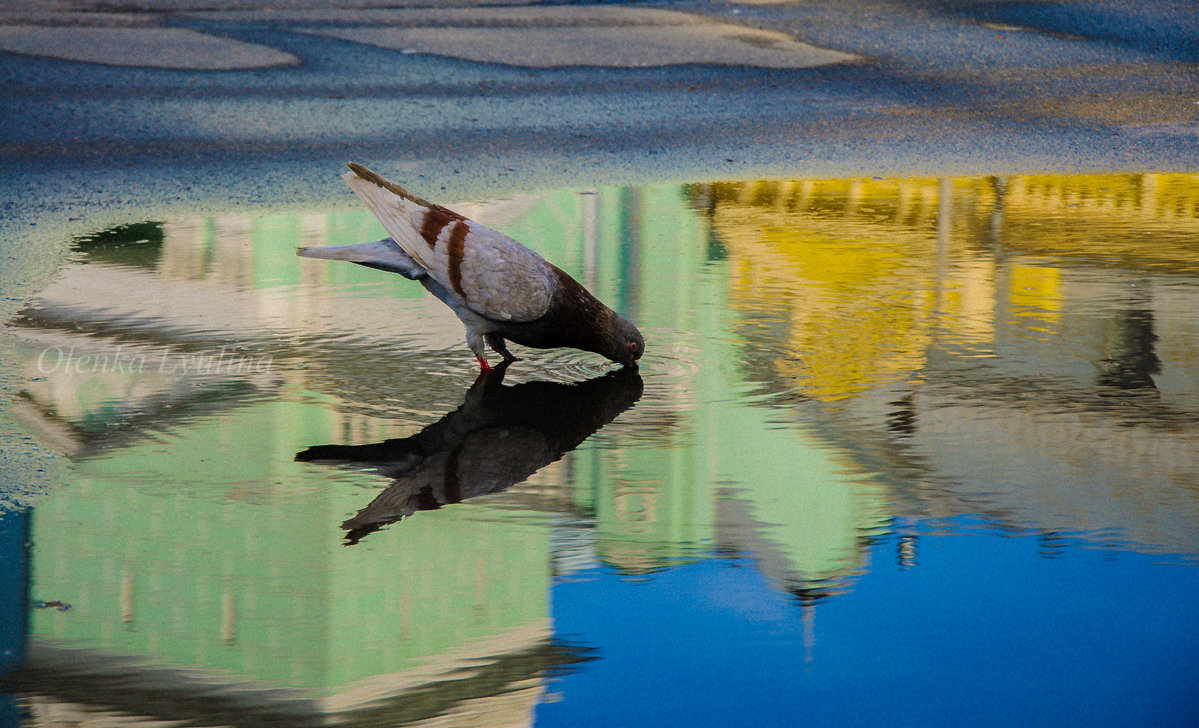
499, 437
120, 687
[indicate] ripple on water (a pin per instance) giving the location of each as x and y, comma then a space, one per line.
673, 360
557, 365
671, 356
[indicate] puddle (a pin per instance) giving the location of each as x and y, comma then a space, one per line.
924, 448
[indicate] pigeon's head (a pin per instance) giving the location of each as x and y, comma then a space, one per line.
624, 343
581, 320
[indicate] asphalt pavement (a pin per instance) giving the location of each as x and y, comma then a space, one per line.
110, 110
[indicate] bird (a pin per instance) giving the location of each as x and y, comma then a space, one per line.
498, 437
500, 289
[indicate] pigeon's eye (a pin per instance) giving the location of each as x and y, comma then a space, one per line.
633, 346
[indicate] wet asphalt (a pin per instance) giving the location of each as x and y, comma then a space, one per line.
937, 88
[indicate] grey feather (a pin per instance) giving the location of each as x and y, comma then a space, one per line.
382, 254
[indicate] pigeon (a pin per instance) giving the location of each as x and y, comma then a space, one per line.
500, 289
500, 436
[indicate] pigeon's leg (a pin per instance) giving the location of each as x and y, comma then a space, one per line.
475, 342
497, 344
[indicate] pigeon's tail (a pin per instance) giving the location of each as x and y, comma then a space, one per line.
412, 222
367, 175
382, 254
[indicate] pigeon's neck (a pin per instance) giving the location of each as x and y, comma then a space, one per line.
580, 319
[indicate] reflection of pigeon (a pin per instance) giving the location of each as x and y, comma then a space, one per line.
498, 437
498, 287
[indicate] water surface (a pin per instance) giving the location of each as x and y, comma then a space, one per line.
906, 451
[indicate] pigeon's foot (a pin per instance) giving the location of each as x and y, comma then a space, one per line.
499, 346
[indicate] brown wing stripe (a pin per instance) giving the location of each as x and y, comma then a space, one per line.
449, 213
456, 251
432, 223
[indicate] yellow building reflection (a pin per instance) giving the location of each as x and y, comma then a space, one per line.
1039, 316
854, 280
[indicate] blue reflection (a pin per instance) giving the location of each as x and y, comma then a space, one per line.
14, 600
983, 630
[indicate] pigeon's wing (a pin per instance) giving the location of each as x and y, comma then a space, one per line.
494, 275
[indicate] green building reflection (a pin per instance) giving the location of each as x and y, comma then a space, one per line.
186, 536
208, 547
203, 548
